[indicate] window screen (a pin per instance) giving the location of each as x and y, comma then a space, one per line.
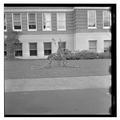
107, 44
33, 49
18, 49
32, 21
93, 46
61, 21
46, 21
47, 48
91, 19
17, 21
106, 18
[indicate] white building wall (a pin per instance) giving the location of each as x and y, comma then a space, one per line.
40, 39
81, 40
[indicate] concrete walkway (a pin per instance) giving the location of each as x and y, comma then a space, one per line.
16, 85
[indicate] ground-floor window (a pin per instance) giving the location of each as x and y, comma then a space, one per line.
5, 49
33, 49
93, 45
107, 44
18, 49
47, 48
62, 45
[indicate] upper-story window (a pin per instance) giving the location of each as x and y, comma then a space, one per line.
5, 22
17, 26
91, 19
106, 19
32, 21
61, 21
46, 22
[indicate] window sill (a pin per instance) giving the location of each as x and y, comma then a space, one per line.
92, 27
32, 29
106, 27
17, 30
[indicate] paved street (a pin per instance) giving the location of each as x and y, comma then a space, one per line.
74, 95
87, 101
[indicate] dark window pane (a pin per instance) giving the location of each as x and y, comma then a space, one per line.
5, 53
4, 27
33, 52
47, 52
18, 53
32, 26
17, 27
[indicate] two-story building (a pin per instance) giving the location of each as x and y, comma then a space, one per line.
42, 28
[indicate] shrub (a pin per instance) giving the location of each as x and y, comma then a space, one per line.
86, 55
81, 55
104, 55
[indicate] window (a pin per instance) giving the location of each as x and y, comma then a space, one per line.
46, 21
62, 45
61, 21
93, 45
18, 49
47, 48
32, 22
106, 19
5, 22
17, 22
33, 49
5, 49
91, 19
107, 44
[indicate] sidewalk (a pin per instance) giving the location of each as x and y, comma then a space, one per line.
16, 85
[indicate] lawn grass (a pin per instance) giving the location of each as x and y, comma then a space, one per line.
19, 69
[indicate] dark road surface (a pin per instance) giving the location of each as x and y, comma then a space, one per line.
87, 101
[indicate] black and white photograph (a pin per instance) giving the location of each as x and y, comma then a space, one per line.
59, 60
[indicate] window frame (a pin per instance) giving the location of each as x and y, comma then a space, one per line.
20, 21
88, 16
33, 49
28, 21
95, 46
5, 21
104, 44
106, 27
59, 20
47, 49
5, 49
18, 50
62, 42
50, 21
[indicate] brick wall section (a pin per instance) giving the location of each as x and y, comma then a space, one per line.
39, 21
69, 22
24, 21
81, 21
9, 21
54, 21
76, 21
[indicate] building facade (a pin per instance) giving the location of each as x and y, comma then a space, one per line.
42, 28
